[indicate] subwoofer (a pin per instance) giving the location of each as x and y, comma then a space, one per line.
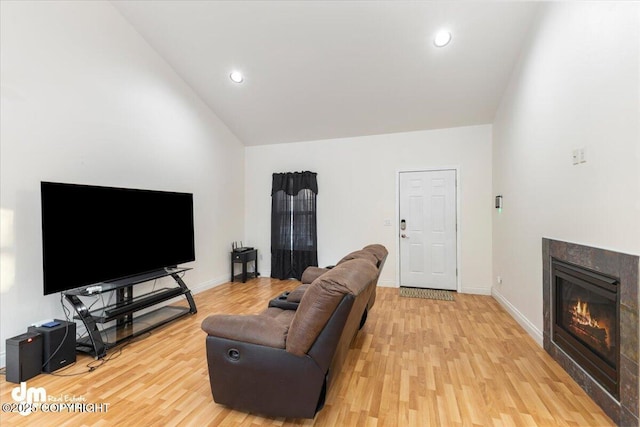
24, 357
58, 345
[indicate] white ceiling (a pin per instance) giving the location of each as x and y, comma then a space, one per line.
331, 69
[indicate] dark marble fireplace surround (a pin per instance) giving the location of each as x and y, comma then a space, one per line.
619, 265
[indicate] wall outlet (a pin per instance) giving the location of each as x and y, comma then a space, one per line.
579, 155
575, 156
499, 280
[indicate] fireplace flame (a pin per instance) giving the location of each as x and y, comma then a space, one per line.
589, 325
583, 316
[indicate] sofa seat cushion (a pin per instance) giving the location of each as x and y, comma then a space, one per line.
269, 328
321, 299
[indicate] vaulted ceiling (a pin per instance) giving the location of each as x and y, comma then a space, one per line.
330, 69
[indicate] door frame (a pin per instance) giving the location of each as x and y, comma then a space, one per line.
458, 228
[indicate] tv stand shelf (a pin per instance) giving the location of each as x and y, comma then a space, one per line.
128, 324
115, 311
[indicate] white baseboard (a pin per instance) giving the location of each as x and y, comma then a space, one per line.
464, 290
475, 291
387, 284
535, 333
209, 284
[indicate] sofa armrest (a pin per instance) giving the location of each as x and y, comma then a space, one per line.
282, 302
256, 329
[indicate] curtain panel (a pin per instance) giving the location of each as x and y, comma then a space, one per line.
293, 224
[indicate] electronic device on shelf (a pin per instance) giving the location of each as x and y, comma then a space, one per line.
51, 324
240, 248
93, 289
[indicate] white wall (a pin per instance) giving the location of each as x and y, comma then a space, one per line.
357, 193
577, 85
86, 100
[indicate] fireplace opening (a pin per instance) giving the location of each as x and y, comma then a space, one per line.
586, 317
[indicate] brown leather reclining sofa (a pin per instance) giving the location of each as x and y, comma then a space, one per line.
281, 362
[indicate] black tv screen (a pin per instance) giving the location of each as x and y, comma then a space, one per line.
94, 234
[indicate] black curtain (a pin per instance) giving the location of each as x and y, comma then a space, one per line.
293, 224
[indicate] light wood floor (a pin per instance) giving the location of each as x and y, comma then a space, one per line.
416, 362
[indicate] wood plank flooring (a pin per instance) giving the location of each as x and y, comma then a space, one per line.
416, 362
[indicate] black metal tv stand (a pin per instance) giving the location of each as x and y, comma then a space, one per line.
127, 325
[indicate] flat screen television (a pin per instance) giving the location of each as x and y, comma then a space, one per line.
94, 234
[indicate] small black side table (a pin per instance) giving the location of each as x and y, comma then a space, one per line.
244, 257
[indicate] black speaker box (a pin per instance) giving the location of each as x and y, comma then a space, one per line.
24, 357
58, 345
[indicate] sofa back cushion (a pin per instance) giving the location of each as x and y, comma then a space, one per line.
359, 254
321, 299
379, 251
297, 294
311, 273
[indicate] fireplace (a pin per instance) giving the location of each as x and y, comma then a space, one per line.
586, 321
591, 323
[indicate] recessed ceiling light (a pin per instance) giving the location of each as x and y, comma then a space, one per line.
236, 77
442, 38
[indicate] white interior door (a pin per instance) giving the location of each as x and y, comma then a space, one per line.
428, 240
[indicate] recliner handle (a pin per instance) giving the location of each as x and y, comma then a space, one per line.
233, 354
